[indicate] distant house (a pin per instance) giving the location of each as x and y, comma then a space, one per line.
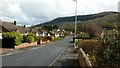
0, 34
58, 30
54, 31
0, 30
42, 33
23, 30
57, 35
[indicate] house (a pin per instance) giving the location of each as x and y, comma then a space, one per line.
8, 26
42, 33
23, 30
12, 27
0, 37
57, 35
0, 31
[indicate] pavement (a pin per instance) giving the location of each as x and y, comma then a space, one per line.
67, 58
41, 55
5, 50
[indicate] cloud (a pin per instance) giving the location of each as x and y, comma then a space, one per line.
32, 12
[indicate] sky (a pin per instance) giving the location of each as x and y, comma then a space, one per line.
32, 12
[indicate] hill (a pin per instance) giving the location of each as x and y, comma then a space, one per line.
80, 18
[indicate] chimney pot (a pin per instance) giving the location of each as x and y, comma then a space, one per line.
14, 22
24, 26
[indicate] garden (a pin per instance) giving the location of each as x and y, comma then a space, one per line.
12, 39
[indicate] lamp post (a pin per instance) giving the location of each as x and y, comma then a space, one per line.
75, 32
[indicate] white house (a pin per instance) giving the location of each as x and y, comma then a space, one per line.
43, 34
57, 35
58, 30
48, 34
37, 34
0, 35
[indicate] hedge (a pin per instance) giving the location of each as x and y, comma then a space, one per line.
33, 35
30, 39
11, 38
84, 36
52, 38
30, 34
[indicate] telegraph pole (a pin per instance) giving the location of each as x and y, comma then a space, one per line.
75, 32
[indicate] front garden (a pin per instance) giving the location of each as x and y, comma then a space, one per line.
13, 39
104, 51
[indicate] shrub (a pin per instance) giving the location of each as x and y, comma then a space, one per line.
30, 34
24, 38
35, 37
108, 51
11, 38
56, 39
52, 38
84, 36
89, 47
30, 39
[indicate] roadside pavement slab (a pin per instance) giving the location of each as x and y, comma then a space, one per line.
68, 58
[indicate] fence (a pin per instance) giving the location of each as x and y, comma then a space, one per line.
83, 59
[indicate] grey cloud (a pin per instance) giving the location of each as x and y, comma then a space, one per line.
35, 12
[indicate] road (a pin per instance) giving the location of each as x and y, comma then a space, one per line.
40, 56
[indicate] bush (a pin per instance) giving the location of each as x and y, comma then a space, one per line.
30, 39
84, 36
24, 38
56, 39
11, 38
35, 37
30, 34
52, 38
108, 51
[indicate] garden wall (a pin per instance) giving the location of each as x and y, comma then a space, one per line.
24, 45
83, 59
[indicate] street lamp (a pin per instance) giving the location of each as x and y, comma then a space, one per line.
75, 33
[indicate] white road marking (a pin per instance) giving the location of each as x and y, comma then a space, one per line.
18, 59
8, 54
12, 53
34, 48
57, 58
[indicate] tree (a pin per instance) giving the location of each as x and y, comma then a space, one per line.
47, 27
108, 51
93, 29
55, 27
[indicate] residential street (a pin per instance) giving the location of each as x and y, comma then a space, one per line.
39, 56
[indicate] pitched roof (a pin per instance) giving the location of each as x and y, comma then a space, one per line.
8, 26
23, 30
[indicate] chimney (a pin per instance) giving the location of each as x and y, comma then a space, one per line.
30, 29
14, 23
24, 26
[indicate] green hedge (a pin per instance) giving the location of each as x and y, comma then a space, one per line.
30, 34
84, 36
33, 35
52, 38
11, 38
30, 39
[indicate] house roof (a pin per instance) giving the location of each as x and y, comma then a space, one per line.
9, 26
55, 30
23, 30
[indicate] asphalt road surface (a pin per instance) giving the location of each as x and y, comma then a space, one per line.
40, 56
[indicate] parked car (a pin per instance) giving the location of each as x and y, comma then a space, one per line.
71, 41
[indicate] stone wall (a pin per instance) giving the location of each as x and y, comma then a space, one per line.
83, 59
24, 45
